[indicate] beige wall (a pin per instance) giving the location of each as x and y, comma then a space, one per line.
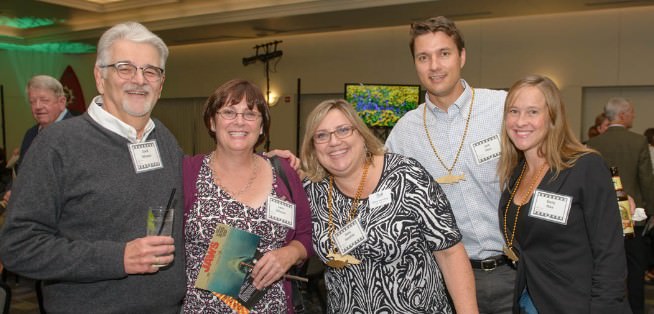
598, 48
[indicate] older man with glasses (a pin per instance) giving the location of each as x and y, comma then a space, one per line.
77, 217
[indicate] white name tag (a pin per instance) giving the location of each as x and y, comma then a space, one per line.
350, 236
379, 199
487, 149
281, 212
145, 156
551, 207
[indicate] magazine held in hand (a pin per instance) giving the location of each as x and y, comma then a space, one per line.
226, 266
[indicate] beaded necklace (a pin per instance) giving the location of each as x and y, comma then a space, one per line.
509, 250
449, 178
338, 260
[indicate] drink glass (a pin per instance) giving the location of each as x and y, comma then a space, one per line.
160, 222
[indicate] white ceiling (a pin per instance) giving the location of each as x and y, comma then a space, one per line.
181, 22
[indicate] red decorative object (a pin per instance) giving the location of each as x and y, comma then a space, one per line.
74, 95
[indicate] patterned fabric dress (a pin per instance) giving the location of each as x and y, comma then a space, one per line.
215, 206
398, 272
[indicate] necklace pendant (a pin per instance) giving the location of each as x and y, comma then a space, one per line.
451, 179
341, 261
509, 251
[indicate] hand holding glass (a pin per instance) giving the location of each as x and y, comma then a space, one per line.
160, 222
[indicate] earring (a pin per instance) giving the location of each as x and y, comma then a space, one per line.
368, 154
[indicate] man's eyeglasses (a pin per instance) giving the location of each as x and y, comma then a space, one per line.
127, 71
229, 114
340, 132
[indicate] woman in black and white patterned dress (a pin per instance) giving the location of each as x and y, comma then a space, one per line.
381, 224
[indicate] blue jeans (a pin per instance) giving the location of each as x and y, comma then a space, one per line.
526, 304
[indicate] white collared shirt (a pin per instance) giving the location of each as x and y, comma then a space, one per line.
59, 118
113, 124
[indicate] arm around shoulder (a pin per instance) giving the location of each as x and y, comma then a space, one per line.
303, 226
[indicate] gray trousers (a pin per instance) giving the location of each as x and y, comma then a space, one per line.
495, 290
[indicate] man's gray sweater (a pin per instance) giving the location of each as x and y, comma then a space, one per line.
75, 205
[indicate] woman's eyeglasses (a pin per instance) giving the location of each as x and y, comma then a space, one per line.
340, 132
229, 114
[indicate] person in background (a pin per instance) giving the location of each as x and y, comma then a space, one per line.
649, 275
77, 216
630, 153
235, 186
5, 176
649, 134
381, 224
48, 104
600, 126
558, 210
455, 136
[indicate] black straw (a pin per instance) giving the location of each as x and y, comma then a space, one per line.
170, 203
170, 200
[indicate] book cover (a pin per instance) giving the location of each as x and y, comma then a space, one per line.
222, 270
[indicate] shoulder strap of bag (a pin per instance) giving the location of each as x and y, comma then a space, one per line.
298, 302
278, 168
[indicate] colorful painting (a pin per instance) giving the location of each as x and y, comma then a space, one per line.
381, 105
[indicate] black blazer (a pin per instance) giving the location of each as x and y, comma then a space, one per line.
576, 267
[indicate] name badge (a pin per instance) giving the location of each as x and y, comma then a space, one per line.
145, 156
486, 149
551, 207
281, 212
350, 236
379, 199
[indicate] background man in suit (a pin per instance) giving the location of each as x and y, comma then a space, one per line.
48, 103
630, 153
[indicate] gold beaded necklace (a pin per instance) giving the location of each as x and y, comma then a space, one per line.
449, 178
338, 260
508, 249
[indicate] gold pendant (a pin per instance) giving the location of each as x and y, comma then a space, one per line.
450, 179
340, 261
510, 253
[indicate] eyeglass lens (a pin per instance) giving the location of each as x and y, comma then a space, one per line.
231, 114
340, 133
128, 71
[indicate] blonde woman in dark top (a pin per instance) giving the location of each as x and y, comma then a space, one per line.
558, 210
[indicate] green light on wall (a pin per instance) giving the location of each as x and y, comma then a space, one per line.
28, 22
72, 48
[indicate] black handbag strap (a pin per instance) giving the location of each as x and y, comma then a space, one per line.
298, 302
280, 172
